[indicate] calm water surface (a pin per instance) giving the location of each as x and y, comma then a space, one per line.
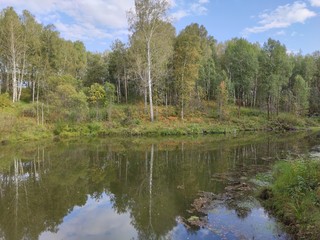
137, 188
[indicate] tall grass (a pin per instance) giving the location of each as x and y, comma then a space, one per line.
295, 196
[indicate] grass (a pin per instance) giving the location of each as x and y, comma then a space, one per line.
18, 122
294, 196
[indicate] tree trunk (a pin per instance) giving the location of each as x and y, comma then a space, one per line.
21, 76
150, 80
166, 102
239, 106
182, 109
14, 69
145, 91
33, 90
118, 89
126, 86
8, 81
269, 103
42, 114
38, 120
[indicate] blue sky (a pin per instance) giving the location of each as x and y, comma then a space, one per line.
99, 22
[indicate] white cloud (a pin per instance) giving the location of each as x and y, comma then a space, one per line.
315, 3
93, 20
183, 9
176, 16
78, 19
198, 9
86, 32
282, 17
94, 220
281, 33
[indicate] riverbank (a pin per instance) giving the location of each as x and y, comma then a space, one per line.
294, 196
19, 122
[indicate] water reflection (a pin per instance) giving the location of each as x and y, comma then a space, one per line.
129, 188
95, 220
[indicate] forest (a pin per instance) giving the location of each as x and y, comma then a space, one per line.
157, 68
157, 82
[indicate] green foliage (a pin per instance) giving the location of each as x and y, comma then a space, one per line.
26, 95
275, 70
97, 69
29, 110
289, 121
97, 95
183, 73
223, 100
110, 91
187, 56
241, 60
5, 100
296, 196
301, 95
66, 102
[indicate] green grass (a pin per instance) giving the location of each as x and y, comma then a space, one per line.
18, 121
295, 196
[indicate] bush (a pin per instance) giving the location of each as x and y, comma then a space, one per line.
290, 120
296, 196
26, 95
94, 128
5, 100
29, 111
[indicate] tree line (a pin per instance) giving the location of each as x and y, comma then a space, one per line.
156, 66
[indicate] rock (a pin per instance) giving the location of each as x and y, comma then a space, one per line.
193, 219
266, 194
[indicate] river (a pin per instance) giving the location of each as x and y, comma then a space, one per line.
141, 188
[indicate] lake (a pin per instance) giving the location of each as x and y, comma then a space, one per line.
142, 188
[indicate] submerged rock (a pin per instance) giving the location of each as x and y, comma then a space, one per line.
266, 194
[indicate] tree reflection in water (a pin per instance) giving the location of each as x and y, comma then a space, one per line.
150, 184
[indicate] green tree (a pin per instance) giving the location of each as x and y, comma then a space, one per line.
162, 54
102, 96
187, 55
97, 95
301, 95
241, 62
67, 103
207, 72
146, 19
34, 66
96, 69
274, 72
118, 68
315, 86
222, 100
12, 48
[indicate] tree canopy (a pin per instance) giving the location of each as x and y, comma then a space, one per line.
156, 66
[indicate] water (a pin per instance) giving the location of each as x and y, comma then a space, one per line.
138, 188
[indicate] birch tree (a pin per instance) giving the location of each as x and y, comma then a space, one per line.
147, 18
187, 56
11, 35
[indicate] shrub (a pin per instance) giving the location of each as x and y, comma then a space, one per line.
5, 100
295, 196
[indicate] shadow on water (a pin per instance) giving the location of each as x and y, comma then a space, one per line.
138, 188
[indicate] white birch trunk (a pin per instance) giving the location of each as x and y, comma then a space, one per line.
150, 81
